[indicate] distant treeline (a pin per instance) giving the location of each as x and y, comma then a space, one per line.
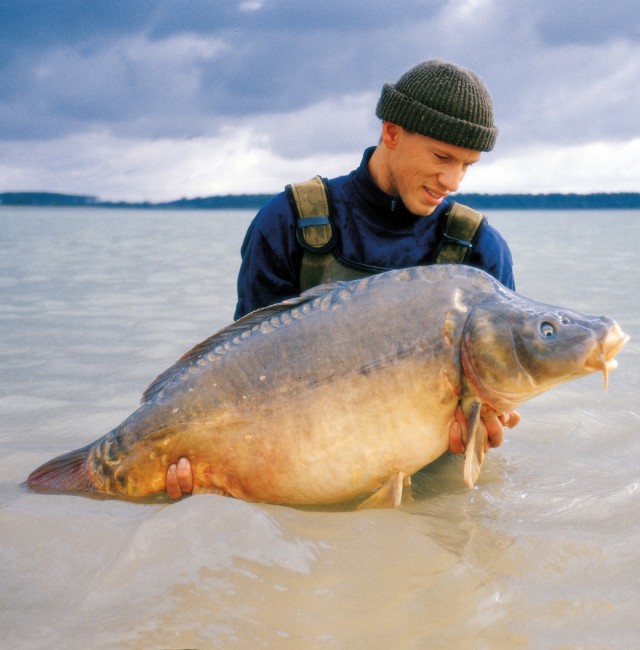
51, 199
618, 201
602, 201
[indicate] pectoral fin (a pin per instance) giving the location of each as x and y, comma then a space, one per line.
389, 495
474, 449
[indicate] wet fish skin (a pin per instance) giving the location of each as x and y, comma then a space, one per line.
344, 391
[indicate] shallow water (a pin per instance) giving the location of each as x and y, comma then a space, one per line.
543, 553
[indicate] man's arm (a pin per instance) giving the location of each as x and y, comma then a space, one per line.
492, 254
271, 259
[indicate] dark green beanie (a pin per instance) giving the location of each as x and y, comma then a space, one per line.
442, 101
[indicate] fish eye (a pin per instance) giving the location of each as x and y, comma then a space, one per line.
547, 329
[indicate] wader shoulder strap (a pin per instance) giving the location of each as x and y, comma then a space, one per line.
460, 225
311, 207
310, 203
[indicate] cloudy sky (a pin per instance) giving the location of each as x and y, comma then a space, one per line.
163, 99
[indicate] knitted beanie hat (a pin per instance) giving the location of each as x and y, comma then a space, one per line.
442, 101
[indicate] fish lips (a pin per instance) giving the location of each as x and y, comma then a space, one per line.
603, 352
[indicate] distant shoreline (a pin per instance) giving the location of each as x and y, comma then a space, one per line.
596, 201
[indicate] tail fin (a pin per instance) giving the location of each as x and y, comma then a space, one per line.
66, 473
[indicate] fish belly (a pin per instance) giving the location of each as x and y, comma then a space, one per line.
326, 444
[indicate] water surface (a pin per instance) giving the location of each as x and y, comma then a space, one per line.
542, 554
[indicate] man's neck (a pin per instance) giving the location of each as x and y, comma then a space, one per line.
378, 168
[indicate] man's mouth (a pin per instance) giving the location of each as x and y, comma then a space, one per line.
436, 196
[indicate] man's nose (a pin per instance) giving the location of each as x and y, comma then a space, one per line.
451, 178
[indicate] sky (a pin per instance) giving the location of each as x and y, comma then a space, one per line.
156, 100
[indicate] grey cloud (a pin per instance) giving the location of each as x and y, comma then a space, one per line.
576, 21
558, 70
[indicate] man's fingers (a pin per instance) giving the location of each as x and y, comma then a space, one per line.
510, 419
173, 486
495, 430
185, 476
456, 446
458, 432
179, 479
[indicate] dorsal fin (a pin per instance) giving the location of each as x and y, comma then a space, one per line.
233, 335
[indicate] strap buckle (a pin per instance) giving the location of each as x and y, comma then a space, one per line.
306, 222
459, 242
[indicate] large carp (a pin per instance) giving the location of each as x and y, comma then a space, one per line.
343, 392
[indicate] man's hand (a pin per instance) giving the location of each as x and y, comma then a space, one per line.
179, 479
493, 424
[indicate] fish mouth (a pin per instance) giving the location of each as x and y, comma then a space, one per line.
603, 352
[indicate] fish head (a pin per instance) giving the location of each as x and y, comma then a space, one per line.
514, 350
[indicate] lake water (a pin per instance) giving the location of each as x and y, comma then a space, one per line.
543, 553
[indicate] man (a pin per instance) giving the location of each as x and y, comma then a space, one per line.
437, 120
388, 213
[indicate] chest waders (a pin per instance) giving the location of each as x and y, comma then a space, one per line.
322, 263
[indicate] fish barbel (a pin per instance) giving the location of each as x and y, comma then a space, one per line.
343, 392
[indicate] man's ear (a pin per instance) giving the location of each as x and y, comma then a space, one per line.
390, 134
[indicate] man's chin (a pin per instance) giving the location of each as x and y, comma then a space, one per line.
423, 210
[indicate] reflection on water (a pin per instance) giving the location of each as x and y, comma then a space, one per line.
541, 554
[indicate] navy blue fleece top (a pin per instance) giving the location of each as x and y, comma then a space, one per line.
374, 229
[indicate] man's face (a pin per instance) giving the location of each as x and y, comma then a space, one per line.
422, 171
